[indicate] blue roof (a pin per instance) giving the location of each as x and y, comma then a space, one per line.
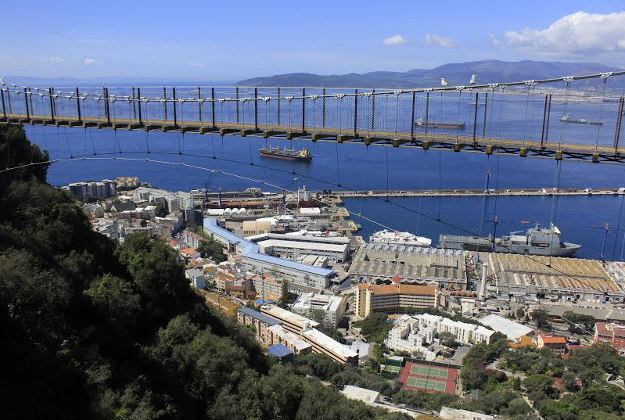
251, 250
279, 350
266, 319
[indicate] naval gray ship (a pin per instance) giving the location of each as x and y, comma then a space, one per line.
536, 241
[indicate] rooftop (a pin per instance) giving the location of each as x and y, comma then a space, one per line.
259, 316
509, 328
407, 289
283, 314
279, 351
360, 394
329, 343
552, 339
288, 336
318, 301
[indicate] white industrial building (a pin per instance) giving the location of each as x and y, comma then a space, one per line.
293, 247
253, 259
332, 307
511, 329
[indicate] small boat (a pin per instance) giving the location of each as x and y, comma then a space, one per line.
442, 125
565, 118
288, 154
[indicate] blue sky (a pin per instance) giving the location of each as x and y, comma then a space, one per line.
232, 40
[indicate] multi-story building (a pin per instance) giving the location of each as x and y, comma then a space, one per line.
100, 190
253, 259
267, 287
611, 334
278, 335
305, 329
260, 322
463, 332
553, 342
394, 298
330, 307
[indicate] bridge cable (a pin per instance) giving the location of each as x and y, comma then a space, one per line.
423, 172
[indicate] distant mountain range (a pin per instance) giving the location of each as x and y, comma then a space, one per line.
487, 71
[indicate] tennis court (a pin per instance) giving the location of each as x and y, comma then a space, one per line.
426, 383
429, 371
429, 377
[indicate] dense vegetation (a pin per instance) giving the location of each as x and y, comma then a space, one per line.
92, 330
571, 388
210, 248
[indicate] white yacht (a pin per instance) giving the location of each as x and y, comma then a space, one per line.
399, 238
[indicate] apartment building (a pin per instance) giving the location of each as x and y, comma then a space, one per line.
394, 298
260, 322
330, 306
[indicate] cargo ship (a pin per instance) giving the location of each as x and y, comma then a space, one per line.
565, 118
399, 238
288, 154
536, 241
442, 125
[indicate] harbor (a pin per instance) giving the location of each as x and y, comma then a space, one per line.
525, 192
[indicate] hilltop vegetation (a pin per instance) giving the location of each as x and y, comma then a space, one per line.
95, 330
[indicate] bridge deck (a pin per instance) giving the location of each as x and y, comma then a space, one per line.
456, 143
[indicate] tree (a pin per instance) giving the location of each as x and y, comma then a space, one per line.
541, 318
210, 248
558, 410
284, 295
520, 313
375, 327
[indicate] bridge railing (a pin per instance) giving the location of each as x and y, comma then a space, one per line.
585, 111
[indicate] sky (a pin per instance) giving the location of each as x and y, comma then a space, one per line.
233, 40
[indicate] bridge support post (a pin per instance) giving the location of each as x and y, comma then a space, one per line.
199, 103
26, 102
139, 106
107, 112
323, 107
213, 106
303, 110
4, 109
51, 97
165, 102
78, 106
372, 108
619, 123
414, 100
477, 95
427, 113
355, 112
256, 109
237, 95
548, 118
173, 90
278, 106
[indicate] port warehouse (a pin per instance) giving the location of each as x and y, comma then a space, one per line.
301, 274
289, 246
551, 278
380, 261
296, 329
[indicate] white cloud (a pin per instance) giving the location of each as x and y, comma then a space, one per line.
395, 40
89, 61
195, 64
495, 42
55, 60
440, 41
577, 33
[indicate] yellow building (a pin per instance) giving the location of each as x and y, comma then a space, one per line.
394, 298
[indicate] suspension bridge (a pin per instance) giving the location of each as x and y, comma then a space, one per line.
573, 117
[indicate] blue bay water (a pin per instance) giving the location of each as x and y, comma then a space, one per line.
355, 167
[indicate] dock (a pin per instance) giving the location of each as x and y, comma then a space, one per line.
525, 192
